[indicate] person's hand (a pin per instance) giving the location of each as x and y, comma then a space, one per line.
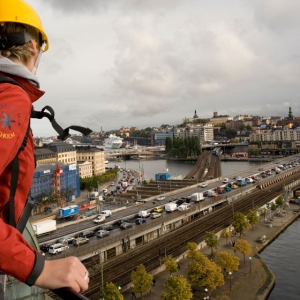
66, 272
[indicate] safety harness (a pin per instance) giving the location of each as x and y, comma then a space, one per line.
47, 112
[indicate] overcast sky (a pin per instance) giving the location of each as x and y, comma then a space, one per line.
146, 63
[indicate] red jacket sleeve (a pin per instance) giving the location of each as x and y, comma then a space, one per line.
17, 257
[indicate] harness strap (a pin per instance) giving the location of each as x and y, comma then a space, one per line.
63, 133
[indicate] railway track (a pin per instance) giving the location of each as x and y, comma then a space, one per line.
207, 166
118, 269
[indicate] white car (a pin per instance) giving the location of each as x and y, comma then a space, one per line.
160, 198
184, 206
106, 213
99, 219
225, 180
203, 184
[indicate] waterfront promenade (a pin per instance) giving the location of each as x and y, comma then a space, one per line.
252, 281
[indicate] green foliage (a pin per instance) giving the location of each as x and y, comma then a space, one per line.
144, 133
273, 206
141, 280
211, 241
91, 183
279, 201
230, 133
50, 196
177, 288
170, 264
252, 217
205, 273
228, 261
226, 234
111, 292
240, 223
183, 148
243, 246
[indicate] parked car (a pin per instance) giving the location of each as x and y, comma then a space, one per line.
160, 198
225, 180
102, 233
112, 183
125, 225
139, 221
86, 234
45, 247
203, 184
234, 186
80, 241
66, 240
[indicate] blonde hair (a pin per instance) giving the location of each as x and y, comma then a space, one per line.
22, 52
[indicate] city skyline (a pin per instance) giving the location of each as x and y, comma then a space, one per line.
132, 63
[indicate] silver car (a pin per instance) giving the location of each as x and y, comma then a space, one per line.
102, 233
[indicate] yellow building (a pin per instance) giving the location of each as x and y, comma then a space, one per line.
93, 155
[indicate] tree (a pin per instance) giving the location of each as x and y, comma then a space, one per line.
252, 217
192, 250
67, 193
205, 273
170, 264
243, 246
226, 234
141, 280
240, 223
279, 201
177, 288
230, 133
228, 261
211, 241
111, 292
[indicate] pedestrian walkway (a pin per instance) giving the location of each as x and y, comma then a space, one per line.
253, 279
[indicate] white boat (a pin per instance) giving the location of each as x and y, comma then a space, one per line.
113, 141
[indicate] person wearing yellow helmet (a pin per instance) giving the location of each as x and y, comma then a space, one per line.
22, 40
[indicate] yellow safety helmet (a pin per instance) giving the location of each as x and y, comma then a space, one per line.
18, 11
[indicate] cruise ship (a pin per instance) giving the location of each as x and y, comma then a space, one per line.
113, 141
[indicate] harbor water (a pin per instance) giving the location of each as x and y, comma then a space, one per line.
178, 168
282, 256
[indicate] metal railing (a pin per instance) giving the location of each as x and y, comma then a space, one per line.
67, 294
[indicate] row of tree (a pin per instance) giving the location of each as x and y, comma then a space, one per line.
202, 271
92, 183
183, 147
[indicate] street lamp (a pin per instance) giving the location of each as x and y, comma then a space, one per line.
250, 259
230, 273
159, 187
206, 296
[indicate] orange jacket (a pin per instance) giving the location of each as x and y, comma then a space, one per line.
17, 257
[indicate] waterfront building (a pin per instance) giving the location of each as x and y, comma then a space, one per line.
279, 139
159, 137
205, 132
85, 169
65, 153
93, 155
44, 155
